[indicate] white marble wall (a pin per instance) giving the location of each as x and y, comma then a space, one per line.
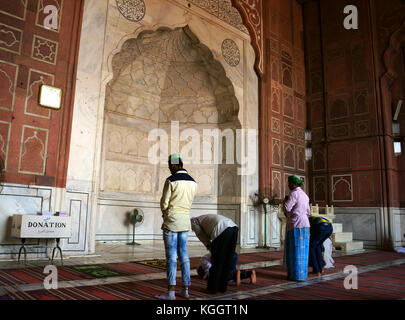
376, 227
22, 199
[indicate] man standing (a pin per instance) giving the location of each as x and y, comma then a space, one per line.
219, 235
178, 194
297, 211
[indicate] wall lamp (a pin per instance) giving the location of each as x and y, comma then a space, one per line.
396, 131
308, 148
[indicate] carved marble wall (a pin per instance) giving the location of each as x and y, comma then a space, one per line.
160, 77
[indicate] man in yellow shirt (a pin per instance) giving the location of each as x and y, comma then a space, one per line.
178, 195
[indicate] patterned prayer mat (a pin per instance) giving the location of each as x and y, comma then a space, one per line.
161, 263
98, 271
155, 263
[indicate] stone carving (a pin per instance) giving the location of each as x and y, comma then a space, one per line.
4, 139
300, 133
289, 130
223, 10
15, 8
275, 99
339, 131
276, 183
35, 80
289, 155
276, 152
128, 177
287, 75
132, 10
338, 109
301, 158
252, 11
230, 52
44, 50
342, 188
300, 109
275, 65
319, 160
317, 111
159, 77
320, 188
8, 84
33, 152
362, 128
361, 102
288, 106
10, 38
275, 125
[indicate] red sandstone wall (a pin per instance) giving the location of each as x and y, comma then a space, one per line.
353, 163
34, 141
283, 86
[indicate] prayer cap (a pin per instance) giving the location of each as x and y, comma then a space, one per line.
295, 179
175, 158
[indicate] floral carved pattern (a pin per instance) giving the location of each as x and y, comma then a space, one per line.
252, 16
44, 50
230, 52
132, 10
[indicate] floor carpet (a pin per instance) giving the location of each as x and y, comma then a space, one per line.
385, 283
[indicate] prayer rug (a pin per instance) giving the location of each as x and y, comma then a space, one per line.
98, 271
161, 263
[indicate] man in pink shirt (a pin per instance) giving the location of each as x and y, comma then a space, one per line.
296, 207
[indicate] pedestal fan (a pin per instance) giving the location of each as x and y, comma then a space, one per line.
136, 218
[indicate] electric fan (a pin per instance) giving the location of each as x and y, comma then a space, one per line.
136, 218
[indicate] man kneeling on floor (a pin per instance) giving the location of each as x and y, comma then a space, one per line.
205, 266
219, 235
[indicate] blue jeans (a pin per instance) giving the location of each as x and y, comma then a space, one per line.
176, 244
319, 234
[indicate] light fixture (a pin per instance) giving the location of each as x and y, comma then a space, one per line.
50, 97
397, 148
308, 153
308, 135
395, 129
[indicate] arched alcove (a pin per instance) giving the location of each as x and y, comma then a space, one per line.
159, 77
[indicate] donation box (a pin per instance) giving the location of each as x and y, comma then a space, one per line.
36, 226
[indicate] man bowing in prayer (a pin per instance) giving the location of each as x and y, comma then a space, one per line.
296, 207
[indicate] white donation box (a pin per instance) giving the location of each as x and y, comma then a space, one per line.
35, 226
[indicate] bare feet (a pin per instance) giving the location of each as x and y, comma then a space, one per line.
238, 278
253, 277
319, 274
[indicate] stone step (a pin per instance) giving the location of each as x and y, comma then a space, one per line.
342, 237
337, 227
349, 246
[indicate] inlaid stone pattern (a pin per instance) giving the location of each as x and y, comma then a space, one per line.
222, 9
10, 38
44, 50
132, 10
230, 52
